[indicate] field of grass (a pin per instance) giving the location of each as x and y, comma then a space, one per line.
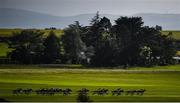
4, 49
8, 32
161, 83
176, 34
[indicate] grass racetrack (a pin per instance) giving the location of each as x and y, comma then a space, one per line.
161, 83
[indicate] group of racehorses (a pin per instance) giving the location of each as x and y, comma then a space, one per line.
84, 91
43, 91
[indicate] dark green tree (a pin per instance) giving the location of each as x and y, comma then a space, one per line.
93, 35
83, 97
105, 53
168, 50
126, 31
74, 47
52, 50
27, 46
105, 46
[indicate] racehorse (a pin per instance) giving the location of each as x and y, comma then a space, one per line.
117, 92
100, 91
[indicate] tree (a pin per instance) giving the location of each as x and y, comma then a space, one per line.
83, 97
73, 45
145, 56
127, 42
163, 47
104, 47
126, 31
105, 53
93, 36
168, 50
27, 46
52, 50
150, 38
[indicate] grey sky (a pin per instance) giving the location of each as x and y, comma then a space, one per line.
74, 7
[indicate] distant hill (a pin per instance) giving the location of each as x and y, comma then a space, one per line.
15, 18
167, 21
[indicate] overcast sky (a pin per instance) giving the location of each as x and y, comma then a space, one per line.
75, 7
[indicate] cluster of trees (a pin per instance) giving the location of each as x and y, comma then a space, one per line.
32, 47
127, 42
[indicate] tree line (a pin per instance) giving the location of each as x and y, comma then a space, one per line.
127, 42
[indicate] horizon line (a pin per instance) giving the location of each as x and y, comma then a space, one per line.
92, 13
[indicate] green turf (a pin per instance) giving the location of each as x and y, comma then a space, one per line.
162, 83
4, 49
57, 32
8, 32
176, 34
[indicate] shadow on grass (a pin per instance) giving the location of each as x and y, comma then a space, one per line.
41, 66
53, 66
3, 100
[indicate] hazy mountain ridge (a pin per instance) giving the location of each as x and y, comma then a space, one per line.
14, 18
167, 21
